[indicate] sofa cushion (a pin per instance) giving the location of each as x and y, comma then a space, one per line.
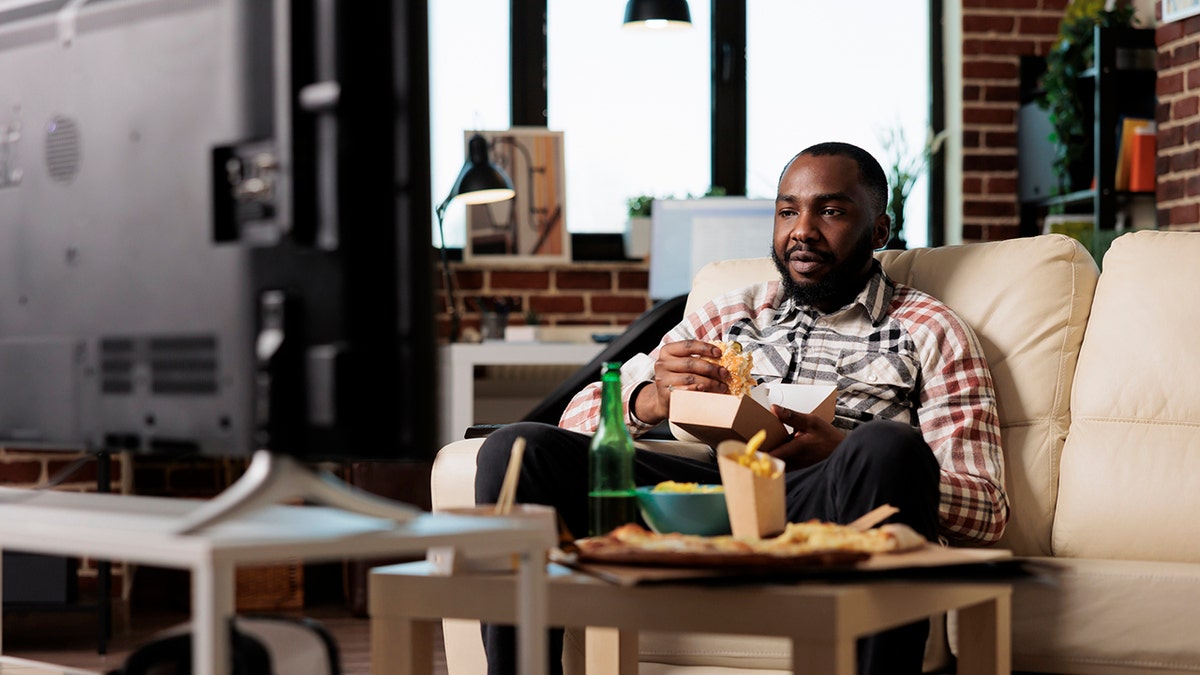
1107, 616
1128, 485
1028, 301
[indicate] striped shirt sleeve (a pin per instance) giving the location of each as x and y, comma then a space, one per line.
958, 419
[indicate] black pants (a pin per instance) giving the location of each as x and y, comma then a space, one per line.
880, 462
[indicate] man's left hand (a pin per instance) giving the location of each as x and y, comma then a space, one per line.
813, 439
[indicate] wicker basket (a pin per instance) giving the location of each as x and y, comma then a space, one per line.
270, 587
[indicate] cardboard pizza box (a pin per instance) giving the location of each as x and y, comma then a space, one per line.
755, 502
712, 418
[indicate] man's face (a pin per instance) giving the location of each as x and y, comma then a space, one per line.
826, 230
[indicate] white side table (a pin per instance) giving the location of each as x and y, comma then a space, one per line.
457, 373
145, 530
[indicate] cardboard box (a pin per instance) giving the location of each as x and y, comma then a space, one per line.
755, 503
713, 418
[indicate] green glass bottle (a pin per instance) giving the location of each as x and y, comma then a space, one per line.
612, 500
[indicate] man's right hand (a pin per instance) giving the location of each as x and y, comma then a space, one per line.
679, 366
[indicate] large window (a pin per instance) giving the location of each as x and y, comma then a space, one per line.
633, 107
834, 71
468, 90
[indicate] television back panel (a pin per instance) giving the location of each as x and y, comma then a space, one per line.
119, 318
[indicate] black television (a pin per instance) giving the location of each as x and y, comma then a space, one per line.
215, 228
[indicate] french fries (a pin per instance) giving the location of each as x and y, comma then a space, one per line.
758, 463
672, 486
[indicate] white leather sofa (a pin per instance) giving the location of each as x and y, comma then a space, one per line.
1100, 416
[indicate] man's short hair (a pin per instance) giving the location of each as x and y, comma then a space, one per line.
869, 171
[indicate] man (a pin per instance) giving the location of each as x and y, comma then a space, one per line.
915, 423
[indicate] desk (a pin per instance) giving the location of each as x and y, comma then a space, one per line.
822, 619
143, 530
457, 363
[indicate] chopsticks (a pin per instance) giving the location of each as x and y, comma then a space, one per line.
508, 489
873, 517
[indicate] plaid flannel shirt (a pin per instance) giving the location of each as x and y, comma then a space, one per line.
894, 353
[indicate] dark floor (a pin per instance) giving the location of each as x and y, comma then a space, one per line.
68, 639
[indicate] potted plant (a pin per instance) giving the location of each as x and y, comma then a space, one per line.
903, 168
1069, 57
637, 227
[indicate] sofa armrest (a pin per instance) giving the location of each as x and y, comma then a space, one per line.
453, 481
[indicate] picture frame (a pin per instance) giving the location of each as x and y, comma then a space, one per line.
1174, 10
532, 227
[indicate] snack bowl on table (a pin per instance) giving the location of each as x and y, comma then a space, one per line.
700, 510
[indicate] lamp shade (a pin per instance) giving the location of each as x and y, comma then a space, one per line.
654, 14
481, 181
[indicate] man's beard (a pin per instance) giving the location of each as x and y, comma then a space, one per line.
844, 281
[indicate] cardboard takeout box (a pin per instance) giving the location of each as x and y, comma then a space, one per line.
712, 418
755, 503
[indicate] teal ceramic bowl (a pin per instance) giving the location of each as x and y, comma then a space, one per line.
700, 513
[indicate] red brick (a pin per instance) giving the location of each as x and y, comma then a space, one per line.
972, 185
999, 4
990, 70
1038, 25
972, 232
1193, 79
619, 304
1191, 25
973, 115
972, 93
1187, 214
1058, 6
993, 47
997, 185
987, 23
1162, 113
972, 139
989, 163
593, 280
1001, 232
1185, 54
1000, 140
20, 471
564, 304
1169, 136
1183, 161
1193, 185
1169, 189
1193, 132
982, 209
1162, 165
1167, 32
1169, 84
520, 279
633, 281
1185, 108
1164, 219
1001, 94
468, 280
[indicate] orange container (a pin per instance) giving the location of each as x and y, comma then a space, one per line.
1141, 170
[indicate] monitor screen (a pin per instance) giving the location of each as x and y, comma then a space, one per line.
214, 227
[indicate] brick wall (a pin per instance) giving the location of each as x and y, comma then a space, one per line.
1178, 166
593, 293
996, 33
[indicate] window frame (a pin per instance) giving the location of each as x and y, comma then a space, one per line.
530, 99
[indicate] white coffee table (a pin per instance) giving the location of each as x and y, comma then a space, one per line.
145, 530
822, 619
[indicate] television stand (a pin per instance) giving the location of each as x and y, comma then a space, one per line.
273, 478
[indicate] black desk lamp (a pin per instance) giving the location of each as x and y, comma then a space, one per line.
479, 182
657, 14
